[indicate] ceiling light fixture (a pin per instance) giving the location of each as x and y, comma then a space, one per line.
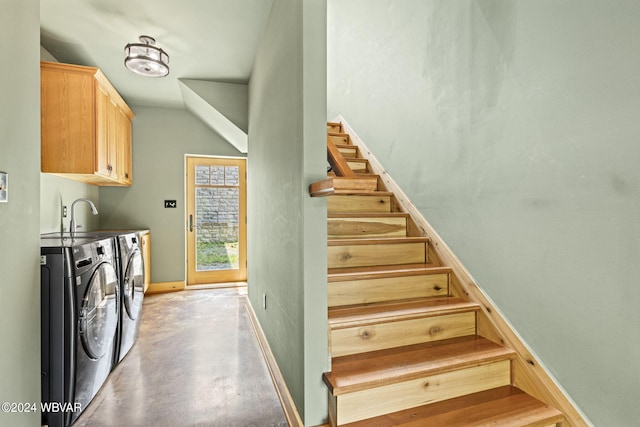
146, 59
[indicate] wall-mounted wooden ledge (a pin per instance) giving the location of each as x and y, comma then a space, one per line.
343, 185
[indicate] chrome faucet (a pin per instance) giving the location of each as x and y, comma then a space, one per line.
72, 225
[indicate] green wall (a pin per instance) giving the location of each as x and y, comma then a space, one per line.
161, 138
56, 192
20, 217
286, 227
513, 126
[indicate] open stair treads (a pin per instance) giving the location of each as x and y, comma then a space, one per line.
504, 406
367, 225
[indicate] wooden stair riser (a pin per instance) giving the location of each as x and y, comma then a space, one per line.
367, 291
340, 228
501, 406
358, 166
390, 398
376, 254
357, 204
340, 138
398, 333
349, 152
334, 127
358, 184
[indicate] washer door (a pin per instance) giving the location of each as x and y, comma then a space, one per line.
133, 287
99, 311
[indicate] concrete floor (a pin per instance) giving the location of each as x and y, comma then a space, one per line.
196, 363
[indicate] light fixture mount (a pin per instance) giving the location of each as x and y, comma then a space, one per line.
146, 59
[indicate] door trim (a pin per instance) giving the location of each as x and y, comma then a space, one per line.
223, 276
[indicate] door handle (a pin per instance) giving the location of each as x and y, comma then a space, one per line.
191, 223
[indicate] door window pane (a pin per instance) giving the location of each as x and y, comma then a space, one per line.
232, 177
202, 175
217, 233
217, 175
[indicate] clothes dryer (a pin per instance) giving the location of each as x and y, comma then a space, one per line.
131, 290
79, 302
130, 268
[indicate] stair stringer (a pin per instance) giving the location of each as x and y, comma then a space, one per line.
528, 373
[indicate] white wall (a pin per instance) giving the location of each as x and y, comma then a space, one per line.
286, 227
20, 217
513, 126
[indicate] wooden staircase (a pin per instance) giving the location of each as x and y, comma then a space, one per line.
409, 346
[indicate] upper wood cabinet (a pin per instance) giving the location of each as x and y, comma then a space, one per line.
86, 126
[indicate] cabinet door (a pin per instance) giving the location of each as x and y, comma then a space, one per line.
114, 167
124, 147
103, 118
67, 122
146, 256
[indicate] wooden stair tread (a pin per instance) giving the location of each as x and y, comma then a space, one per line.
367, 193
359, 175
344, 185
377, 241
388, 270
376, 272
505, 406
350, 316
374, 369
368, 215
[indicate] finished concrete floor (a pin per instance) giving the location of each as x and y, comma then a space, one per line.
196, 362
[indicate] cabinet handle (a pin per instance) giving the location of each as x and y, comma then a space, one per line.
191, 223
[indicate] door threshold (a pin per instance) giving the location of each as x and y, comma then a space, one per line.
217, 285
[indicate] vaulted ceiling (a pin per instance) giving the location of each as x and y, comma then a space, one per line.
212, 40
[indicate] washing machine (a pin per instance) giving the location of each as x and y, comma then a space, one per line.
79, 319
130, 269
131, 290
